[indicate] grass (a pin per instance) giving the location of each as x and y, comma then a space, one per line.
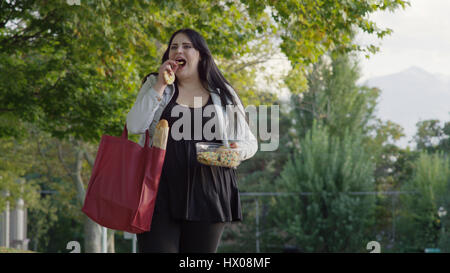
14, 250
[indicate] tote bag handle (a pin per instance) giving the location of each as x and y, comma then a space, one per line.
125, 135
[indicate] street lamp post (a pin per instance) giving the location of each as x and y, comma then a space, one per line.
441, 213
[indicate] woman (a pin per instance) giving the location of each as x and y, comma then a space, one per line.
194, 201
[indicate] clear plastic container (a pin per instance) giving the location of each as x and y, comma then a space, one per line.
215, 154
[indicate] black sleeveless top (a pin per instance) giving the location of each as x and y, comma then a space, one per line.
191, 190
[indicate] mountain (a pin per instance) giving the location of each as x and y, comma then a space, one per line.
410, 96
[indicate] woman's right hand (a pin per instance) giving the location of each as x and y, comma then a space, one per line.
168, 65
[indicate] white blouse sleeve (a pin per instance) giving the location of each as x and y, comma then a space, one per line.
141, 114
245, 138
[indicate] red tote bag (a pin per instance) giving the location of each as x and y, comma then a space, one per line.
124, 183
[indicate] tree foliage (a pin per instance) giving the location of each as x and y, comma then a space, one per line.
334, 97
419, 222
324, 214
74, 69
16, 158
431, 137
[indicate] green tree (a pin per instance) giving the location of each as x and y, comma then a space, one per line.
334, 97
445, 141
325, 215
16, 160
431, 137
74, 70
444, 235
418, 224
394, 166
43, 217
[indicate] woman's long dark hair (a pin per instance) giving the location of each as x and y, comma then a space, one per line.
208, 71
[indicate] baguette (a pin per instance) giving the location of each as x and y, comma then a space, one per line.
161, 134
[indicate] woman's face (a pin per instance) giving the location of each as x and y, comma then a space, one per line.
182, 48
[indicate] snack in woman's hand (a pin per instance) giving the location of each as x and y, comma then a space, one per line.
169, 77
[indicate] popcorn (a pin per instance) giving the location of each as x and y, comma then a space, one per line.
222, 156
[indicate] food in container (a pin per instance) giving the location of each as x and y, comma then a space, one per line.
215, 154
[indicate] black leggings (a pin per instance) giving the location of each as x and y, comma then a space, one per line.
169, 235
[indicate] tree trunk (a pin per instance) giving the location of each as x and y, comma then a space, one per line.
92, 237
111, 247
92, 230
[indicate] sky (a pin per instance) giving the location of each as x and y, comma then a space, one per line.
421, 37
